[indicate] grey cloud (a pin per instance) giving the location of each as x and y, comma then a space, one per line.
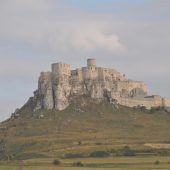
135, 40
19, 68
51, 33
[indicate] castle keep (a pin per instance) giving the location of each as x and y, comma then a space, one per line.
56, 87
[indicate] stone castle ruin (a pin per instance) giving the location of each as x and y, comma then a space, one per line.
56, 87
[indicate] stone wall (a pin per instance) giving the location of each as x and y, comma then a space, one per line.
147, 102
166, 102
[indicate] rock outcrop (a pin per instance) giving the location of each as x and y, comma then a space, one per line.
56, 87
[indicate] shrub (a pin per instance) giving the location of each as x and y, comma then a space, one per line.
126, 151
74, 155
99, 154
56, 162
80, 164
98, 143
157, 162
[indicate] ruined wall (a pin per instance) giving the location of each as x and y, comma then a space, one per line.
147, 102
166, 102
55, 88
129, 85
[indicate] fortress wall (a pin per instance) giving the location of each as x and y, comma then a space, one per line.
101, 74
45, 74
61, 69
166, 102
89, 73
74, 75
77, 75
93, 73
109, 74
98, 73
130, 85
156, 99
80, 74
117, 75
147, 102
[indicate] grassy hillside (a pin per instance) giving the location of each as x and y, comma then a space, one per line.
84, 128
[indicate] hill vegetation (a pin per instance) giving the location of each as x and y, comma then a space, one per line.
87, 128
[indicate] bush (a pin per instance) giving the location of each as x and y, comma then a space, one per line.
56, 162
80, 164
74, 155
157, 162
99, 154
126, 151
98, 143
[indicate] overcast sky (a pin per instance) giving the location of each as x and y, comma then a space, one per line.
132, 36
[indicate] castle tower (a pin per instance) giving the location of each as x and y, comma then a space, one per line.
91, 71
61, 69
91, 63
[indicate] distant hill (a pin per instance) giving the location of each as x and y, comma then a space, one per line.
86, 126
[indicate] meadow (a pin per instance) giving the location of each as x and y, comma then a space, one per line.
87, 135
114, 163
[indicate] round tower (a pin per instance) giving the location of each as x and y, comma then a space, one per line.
61, 69
91, 62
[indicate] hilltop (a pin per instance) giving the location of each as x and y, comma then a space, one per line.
61, 83
85, 126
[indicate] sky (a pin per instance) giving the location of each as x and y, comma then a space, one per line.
132, 36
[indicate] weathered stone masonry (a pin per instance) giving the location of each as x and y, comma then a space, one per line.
55, 88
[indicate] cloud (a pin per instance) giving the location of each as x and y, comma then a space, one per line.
22, 5
37, 25
85, 40
19, 68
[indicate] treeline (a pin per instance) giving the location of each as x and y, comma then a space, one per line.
125, 151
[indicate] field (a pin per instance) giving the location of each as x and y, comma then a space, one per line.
114, 163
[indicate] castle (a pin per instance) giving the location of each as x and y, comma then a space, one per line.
56, 87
